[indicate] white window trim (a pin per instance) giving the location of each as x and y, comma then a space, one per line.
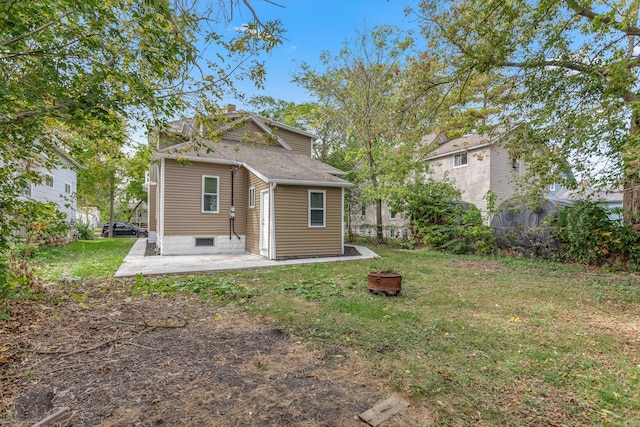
324, 209
202, 194
53, 181
552, 187
463, 165
252, 197
70, 188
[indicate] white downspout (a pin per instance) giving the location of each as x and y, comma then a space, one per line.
161, 203
272, 221
342, 218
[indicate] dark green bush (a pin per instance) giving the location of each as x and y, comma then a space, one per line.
588, 236
442, 222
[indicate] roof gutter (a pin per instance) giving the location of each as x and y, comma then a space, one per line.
311, 183
197, 159
258, 174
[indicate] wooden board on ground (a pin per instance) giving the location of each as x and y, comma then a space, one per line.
61, 414
384, 410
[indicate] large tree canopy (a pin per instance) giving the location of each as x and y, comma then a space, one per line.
572, 70
66, 64
368, 90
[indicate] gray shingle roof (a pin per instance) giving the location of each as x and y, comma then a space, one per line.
272, 163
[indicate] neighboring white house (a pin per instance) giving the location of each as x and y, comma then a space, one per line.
58, 186
88, 215
363, 221
139, 213
476, 164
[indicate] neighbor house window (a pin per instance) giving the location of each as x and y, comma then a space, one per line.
67, 188
460, 160
317, 208
48, 180
26, 191
392, 215
552, 187
210, 192
363, 213
252, 197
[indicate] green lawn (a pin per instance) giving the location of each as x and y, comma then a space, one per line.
476, 340
82, 259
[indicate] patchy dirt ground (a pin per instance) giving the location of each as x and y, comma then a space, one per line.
174, 362
477, 265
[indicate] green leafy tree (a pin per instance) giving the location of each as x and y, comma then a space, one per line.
133, 191
570, 73
104, 165
66, 65
366, 88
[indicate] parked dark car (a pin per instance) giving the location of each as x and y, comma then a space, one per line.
123, 229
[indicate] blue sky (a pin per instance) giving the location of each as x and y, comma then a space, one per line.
314, 26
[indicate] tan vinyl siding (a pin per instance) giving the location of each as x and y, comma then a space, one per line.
299, 143
152, 207
253, 214
294, 237
183, 214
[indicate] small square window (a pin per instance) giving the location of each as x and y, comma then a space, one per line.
67, 188
392, 215
26, 191
460, 160
252, 197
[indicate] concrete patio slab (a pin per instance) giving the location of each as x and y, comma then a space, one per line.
136, 263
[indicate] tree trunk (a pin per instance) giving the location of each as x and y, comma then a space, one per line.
112, 192
631, 182
630, 160
379, 230
631, 203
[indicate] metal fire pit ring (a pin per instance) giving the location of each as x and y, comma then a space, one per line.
385, 282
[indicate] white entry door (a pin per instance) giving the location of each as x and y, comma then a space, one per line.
264, 223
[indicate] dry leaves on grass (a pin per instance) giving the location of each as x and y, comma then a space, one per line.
113, 365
